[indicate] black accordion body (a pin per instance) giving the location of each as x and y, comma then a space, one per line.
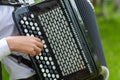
68, 53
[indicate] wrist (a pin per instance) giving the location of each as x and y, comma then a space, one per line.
10, 42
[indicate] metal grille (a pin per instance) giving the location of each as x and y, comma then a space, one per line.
62, 42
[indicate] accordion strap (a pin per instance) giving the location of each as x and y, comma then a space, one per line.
20, 59
14, 3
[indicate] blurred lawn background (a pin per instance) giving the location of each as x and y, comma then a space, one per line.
109, 27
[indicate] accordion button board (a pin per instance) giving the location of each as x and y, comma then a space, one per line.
64, 56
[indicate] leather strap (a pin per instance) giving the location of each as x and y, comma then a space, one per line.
20, 59
14, 3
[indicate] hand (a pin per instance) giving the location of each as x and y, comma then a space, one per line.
25, 44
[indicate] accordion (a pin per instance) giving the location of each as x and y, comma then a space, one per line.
68, 53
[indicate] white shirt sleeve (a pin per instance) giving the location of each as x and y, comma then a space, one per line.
4, 49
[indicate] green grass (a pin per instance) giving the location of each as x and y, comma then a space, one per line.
110, 31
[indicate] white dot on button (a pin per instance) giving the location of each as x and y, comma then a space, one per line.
27, 34
49, 75
50, 58
43, 70
41, 57
54, 67
47, 62
25, 30
46, 58
53, 75
57, 76
31, 23
22, 22
37, 57
33, 28
45, 46
39, 33
32, 15
52, 63
26, 22
24, 18
44, 75
47, 71
46, 50
35, 24
37, 28
43, 41
41, 66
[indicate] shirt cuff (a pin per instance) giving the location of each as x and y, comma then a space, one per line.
105, 72
4, 48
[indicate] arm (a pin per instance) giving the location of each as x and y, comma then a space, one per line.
4, 49
23, 44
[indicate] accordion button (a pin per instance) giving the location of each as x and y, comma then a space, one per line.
57, 76
41, 66
33, 28
39, 33
54, 67
32, 15
43, 41
25, 30
30, 31
53, 76
29, 19
47, 71
37, 28
24, 26
43, 62
51, 71
46, 50
46, 58
47, 79
44, 54
44, 75
31, 23
27, 34
24, 18
32, 34
45, 46
41, 57
52, 63
40, 54
47, 62
49, 75
35, 24
37, 57
35, 32
45, 66
22, 22
28, 27
50, 58
43, 70
26, 22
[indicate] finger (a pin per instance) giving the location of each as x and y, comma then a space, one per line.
39, 44
38, 50
32, 52
37, 39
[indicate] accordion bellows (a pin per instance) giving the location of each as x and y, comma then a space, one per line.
68, 52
